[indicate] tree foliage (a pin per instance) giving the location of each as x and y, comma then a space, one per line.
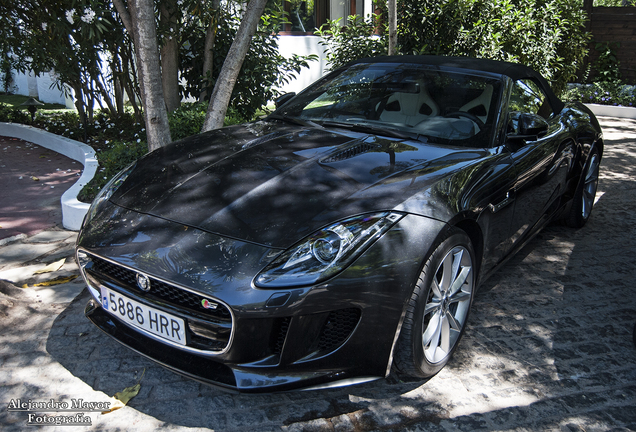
81, 41
358, 39
548, 35
264, 69
85, 45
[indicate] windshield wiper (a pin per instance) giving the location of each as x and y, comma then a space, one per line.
378, 130
294, 120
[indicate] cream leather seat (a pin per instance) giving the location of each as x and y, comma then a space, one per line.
409, 108
480, 106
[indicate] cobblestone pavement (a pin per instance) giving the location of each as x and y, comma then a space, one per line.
548, 347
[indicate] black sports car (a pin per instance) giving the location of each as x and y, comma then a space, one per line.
345, 235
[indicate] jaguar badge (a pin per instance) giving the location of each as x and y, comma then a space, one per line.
143, 282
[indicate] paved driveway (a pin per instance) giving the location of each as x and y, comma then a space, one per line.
548, 347
32, 181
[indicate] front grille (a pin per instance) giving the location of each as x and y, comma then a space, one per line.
160, 289
209, 329
337, 328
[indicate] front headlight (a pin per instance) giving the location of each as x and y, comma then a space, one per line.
326, 252
108, 191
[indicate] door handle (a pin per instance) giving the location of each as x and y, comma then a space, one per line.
507, 200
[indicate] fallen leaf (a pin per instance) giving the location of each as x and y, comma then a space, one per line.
34, 178
56, 281
53, 267
122, 398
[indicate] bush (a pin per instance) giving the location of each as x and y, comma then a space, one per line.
354, 41
263, 71
606, 87
111, 161
547, 35
603, 93
188, 119
10, 114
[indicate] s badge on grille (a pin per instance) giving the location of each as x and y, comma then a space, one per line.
208, 304
143, 282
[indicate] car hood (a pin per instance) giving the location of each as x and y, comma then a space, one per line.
272, 184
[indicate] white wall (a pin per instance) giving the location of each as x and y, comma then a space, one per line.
49, 93
40, 87
303, 45
24, 84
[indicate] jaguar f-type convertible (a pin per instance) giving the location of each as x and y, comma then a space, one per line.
343, 237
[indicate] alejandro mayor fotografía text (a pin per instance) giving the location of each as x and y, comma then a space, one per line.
35, 408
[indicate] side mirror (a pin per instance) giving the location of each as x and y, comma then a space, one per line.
526, 126
282, 100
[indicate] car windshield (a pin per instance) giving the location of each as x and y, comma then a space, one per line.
402, 100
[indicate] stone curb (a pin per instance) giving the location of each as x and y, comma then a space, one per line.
612, 111
73, 211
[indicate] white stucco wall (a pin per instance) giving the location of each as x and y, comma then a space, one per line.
303, 45
24, 84
48, 91
40, 87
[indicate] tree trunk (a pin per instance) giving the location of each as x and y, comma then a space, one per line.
392, 12
105, 95
128, 74
170, 55
232, 66
79, 101
208, 50
144, 33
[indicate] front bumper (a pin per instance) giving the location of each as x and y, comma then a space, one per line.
209, 371
336, 333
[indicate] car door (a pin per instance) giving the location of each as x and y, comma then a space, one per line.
541, 160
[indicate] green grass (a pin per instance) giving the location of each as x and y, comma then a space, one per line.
16, 100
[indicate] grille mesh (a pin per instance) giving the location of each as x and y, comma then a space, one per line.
337, 328
281, 334
160, 289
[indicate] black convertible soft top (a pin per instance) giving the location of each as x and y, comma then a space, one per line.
513, 70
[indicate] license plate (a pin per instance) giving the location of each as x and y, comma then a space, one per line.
140, 315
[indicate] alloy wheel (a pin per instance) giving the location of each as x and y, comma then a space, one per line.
448, 304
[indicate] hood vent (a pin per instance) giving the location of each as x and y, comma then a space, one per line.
350, 152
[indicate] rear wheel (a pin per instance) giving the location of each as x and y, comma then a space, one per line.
586, 192
438, 308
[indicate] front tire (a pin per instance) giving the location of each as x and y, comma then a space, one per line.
438, 309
